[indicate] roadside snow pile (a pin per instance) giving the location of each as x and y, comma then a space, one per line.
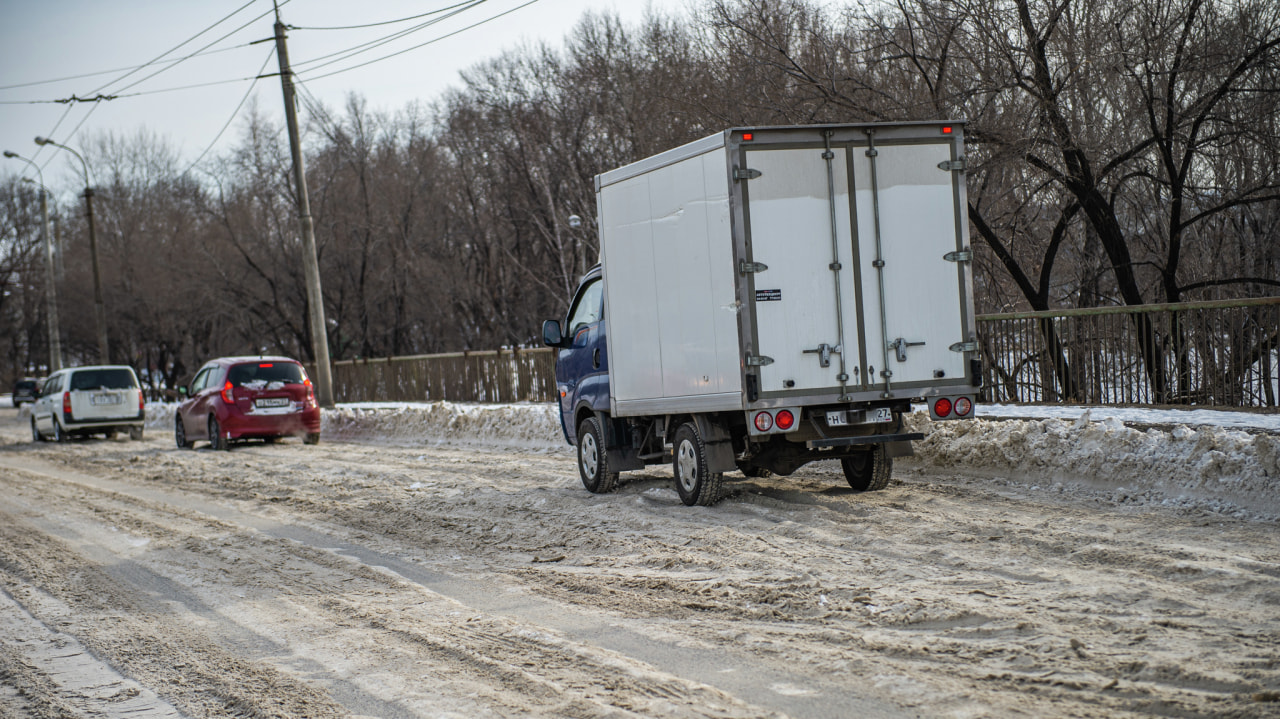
1203, 463
528, 426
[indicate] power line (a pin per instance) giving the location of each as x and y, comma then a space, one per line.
118, 69
234, 113
380, 41
122, 77
377, 24
175, 47
415, 47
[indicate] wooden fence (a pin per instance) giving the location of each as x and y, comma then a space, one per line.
1209, 354
493, 376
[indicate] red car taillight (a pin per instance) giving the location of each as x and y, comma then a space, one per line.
226, 394
66, 404
311, 392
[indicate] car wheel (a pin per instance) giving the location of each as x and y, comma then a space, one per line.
694, 482
135, 434
868, 471
216, 440
593, 462
36, 436
180, 434
59, 434
311, 438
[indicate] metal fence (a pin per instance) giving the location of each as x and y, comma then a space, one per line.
1211, 354
494, 376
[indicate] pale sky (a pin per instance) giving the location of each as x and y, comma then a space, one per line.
48, 39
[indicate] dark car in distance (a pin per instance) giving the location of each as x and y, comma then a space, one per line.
233, 399
25, 390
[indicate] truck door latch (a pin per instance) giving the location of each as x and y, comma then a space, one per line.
824, 352
957, 165
964, 347
901, 346
745, 173
965, 255
748, 268
759, 361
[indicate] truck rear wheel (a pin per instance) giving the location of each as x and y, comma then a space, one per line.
868, 471
593, 462
695, 484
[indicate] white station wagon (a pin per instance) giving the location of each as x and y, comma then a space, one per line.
105, 399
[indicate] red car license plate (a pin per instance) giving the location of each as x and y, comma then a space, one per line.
272, 402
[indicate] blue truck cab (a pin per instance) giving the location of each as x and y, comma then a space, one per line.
582, 361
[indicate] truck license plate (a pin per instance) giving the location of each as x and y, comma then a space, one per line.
272, 402
98, 399
841, 418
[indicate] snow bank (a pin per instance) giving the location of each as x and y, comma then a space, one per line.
527, 426
1205, 462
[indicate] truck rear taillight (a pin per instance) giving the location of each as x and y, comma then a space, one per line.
963, 406
66, 404
942, 406
764, 421
785, 420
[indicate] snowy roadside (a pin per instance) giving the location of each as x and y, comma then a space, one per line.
1179, 458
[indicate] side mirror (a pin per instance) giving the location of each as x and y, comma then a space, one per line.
551, 335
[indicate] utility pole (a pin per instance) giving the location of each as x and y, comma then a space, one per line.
50, 289
99, 309
310, 263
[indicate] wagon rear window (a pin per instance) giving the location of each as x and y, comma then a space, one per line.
103, 379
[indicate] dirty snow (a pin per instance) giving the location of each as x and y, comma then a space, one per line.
1228, 461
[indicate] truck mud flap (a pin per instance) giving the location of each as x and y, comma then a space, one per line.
869, 439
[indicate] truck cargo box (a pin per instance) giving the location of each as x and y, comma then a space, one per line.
762, 267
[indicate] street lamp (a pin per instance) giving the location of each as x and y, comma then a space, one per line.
99, 310
50, 293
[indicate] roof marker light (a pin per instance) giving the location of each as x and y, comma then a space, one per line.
946, 129
748, 137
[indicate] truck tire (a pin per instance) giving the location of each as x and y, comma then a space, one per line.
593, 461
695, 484
868, 471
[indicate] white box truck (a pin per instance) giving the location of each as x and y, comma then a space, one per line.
769, 297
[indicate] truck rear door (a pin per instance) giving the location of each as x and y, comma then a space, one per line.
857, 293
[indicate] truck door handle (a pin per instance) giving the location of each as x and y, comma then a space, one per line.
901, 346
595, 358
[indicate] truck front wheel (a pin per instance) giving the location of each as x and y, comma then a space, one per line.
695, 484
868, 471
593, 462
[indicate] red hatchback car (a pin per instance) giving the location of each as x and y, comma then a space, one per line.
239, 398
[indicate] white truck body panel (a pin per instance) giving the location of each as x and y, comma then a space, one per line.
670, 287
690, 329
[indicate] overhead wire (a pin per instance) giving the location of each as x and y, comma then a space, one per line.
380, 41
234, 113
53, 80
415, 47
136, 69
379, 24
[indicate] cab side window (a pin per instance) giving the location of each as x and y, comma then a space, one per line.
54, 384
589, 309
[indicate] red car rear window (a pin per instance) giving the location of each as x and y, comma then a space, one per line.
264, 373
